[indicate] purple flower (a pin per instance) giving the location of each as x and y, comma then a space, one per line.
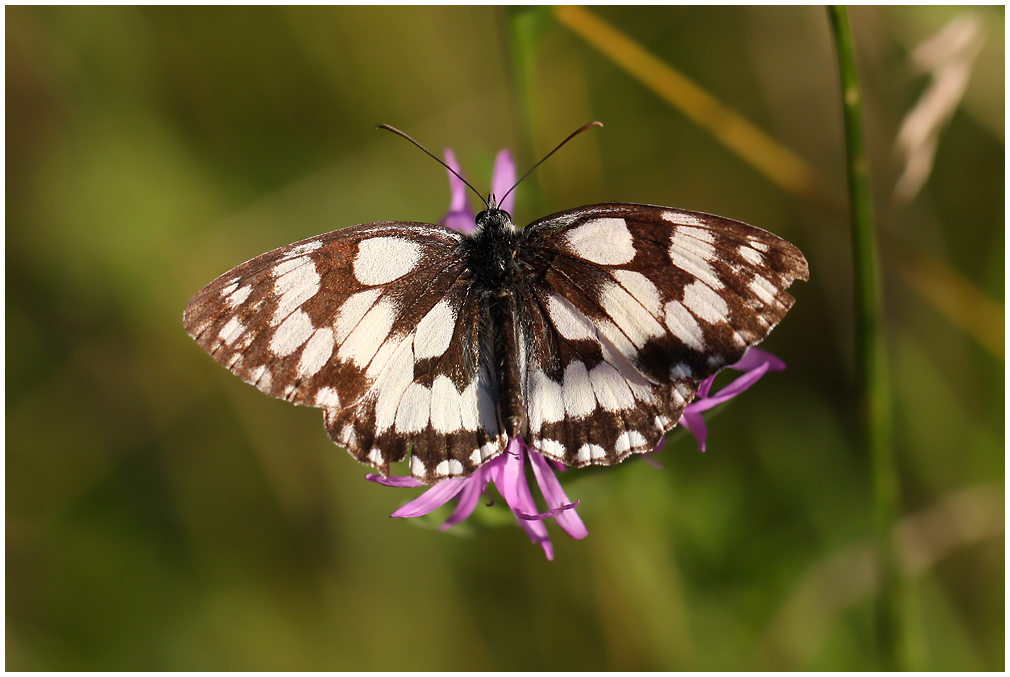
755, 363
508, 471
460, 216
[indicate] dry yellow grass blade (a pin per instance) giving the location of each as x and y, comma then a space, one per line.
964, 304
961, 302
778, 163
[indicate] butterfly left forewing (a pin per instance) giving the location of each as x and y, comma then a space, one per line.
277, 320
655, 299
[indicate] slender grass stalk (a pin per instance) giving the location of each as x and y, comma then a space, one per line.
524, 26
871, 349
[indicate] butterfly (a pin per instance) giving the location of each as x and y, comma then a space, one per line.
586, 333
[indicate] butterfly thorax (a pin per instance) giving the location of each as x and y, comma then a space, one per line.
491, 250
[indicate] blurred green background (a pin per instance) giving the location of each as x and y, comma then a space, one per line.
160, 514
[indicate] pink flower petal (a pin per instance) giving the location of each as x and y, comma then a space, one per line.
755, 357
457, 189
469, 496
695, 424
652, 461
704, 387
397, 481
434, 498
516, 492
512, 474
459, 217
460, 222
553, 512
755, 363
504, 177
538, 534
556, 498
739, 385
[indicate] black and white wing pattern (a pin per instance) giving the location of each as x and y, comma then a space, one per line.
632, 306
586, 333
375, 324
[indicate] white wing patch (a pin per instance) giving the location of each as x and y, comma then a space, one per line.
682, 218
629, 440
751, 255
238, 297
435, 330
605, 241
413, 412
352, 311
641, 288
569, 322
612, 390
684, 326
688, 254
446, 409
591, 452
545, 404
371, 332
297, 281
628, 314
705, 303
552, 448
763, 289
231, 331
304, 248
703, 234
396, 372
327, 397
293, 332
381, 260
577, 391
317, 352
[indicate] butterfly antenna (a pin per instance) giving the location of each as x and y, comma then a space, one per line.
436, 159
556, 149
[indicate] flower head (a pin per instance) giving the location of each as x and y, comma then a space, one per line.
460, 216
508, 471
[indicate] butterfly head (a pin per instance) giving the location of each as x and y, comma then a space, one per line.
494, 220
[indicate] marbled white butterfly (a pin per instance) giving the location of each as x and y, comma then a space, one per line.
586, 332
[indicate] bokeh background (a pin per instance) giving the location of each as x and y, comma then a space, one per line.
160, 514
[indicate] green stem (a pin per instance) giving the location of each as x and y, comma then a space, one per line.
871, 356
525, 25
